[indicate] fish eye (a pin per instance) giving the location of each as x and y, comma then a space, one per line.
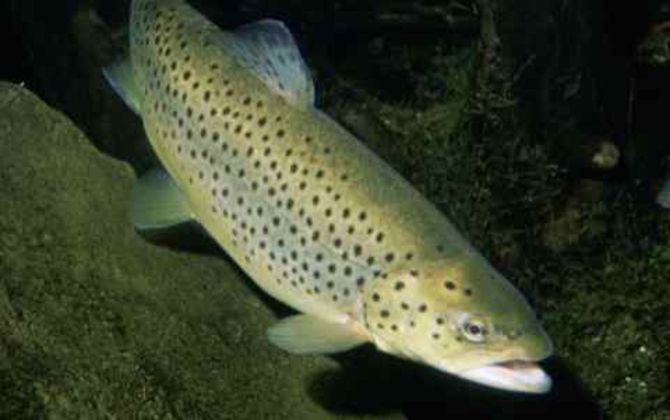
474, 330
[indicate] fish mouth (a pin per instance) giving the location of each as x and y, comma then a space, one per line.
511, 375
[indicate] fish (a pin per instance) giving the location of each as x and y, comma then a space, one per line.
663, 194
314, 217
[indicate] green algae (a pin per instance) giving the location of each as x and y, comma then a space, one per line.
611, 295
95, 322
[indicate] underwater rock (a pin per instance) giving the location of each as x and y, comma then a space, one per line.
570, 223
96, 322
586, 152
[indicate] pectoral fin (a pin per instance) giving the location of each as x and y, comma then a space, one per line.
306, 334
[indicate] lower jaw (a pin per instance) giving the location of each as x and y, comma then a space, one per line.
513, 375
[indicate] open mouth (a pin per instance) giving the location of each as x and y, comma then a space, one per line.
512, 375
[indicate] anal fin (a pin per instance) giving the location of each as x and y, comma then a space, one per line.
307, 334
120, 77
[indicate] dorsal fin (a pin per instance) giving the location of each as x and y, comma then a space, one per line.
270, 51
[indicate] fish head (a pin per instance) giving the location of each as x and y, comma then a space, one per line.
460, 316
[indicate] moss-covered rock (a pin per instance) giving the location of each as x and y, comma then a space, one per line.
97, 323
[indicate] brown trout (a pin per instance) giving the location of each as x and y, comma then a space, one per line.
315, 218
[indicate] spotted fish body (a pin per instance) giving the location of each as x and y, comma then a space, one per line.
316, 219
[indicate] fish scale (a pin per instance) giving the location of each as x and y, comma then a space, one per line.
263, 160
314, 217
